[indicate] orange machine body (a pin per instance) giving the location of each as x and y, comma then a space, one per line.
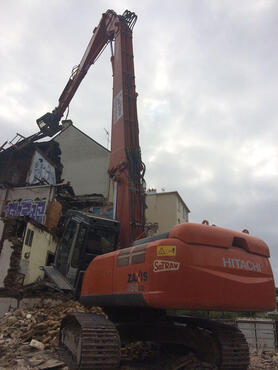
195, 267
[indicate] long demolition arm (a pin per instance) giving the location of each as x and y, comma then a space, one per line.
126, 167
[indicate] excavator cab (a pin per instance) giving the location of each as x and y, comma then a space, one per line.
85, 237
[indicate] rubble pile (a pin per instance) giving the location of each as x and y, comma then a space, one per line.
29, 337
263, 360
29, 340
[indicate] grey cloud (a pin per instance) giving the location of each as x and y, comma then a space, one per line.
206, 74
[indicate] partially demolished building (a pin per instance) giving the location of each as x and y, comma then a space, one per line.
39, 182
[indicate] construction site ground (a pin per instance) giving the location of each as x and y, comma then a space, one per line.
29, 340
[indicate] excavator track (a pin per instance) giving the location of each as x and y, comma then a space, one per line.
233, 347
89, 341
217, 345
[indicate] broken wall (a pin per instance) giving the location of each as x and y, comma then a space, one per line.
5, 245
3, 193
25, 201
38, 243
5, 257
30, 163
29, 201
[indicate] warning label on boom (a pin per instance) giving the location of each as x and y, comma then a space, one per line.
166, 250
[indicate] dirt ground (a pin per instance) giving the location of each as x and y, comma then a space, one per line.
25, 358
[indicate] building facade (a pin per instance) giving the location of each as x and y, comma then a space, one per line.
38, 183
85, 162
39, 247
18, 205
165, 209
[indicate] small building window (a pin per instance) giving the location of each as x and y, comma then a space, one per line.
184, 213
109, 213
29, 237
50, 258
96, 211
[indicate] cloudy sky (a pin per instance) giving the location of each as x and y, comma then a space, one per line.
206, 75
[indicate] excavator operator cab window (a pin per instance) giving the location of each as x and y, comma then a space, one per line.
80, 241
64, 247
100, 241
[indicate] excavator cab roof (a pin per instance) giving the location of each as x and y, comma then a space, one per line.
91, 219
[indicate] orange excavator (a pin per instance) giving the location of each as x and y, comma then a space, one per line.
137, 279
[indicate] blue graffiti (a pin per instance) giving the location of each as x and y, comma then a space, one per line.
33, 208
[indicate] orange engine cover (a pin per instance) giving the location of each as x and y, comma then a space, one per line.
197, 267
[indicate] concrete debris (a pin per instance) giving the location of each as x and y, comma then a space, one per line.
51, 364
29, 337
263, 360
36, 344
29, 340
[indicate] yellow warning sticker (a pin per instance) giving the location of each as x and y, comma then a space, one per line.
166, 250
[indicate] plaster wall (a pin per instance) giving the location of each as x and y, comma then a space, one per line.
35, 255
85, 162
166, 209
31, 192
163, 210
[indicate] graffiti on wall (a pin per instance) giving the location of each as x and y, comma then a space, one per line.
35, 209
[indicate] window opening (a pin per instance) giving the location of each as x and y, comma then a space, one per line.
80, 241
65, 247
96, 211
100, 241
50, 259
29, 237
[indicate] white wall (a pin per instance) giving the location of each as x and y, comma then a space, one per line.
162, 209
166, 209
35, 255
85, 162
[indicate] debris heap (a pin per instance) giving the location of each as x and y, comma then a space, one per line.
263, 360
26, 333
29, 340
